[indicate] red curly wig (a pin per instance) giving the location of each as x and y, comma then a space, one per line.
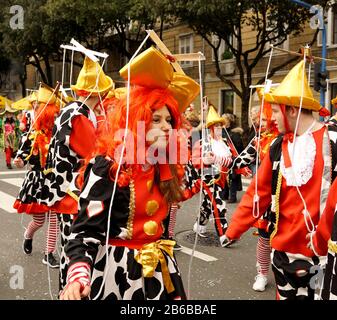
270, 132
143, 102
43, 126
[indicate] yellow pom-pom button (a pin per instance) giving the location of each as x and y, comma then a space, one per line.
150, 227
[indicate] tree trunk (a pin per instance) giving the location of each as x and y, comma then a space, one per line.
37, 65
23, 78
48, 71
244, 113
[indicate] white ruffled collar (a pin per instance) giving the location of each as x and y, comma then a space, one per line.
302, 160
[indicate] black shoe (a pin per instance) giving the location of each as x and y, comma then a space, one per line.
27, 246
9, 166
177, 247
50, 261
231, 201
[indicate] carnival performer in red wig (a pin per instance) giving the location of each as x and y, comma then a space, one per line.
216, 154
34, 151
259, 146
124, 213
73, 139
294, 178
9, 139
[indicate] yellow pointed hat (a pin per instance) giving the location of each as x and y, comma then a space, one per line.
213, 117
153, 70
290, 90
22, 104
47, 94
87, 79
32, 97
5, 102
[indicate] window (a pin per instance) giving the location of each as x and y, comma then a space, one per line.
331, 28
186, 46
227, 101
284, 45
224, 52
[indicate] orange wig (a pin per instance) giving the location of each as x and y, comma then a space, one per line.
43, 126
143, 102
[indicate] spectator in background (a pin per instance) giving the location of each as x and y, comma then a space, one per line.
254, 117
9, 140
193, 119
233, 134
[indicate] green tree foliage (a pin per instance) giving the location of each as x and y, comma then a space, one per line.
272, 20
97, 24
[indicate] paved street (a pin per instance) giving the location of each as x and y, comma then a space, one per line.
214, 274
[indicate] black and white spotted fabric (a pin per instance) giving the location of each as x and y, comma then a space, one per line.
193, 179
65, 222
88, 237
29, 119
294, 275
246, 157
61, 159
207, 209
125, 280
34, 178
25, 146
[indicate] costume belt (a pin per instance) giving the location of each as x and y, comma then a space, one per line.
73, 195
332, 246
151, 254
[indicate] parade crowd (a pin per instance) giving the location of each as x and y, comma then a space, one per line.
108, 170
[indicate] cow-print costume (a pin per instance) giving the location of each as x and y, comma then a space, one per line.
213, 192
62, 162
34, 178
290, 283
294, 275
65, 222
61, 172
87, 243
246, 157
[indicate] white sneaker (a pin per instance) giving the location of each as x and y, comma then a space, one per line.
225, 242
260, 282
200, 230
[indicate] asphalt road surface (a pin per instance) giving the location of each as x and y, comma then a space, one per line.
215, 273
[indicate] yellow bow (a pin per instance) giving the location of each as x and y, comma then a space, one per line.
332, 246
33, 136
151, 254
153, 70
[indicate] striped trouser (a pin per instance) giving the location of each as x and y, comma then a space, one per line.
263, 255
52, 229
173, 219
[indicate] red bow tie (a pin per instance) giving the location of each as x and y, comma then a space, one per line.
288, 137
